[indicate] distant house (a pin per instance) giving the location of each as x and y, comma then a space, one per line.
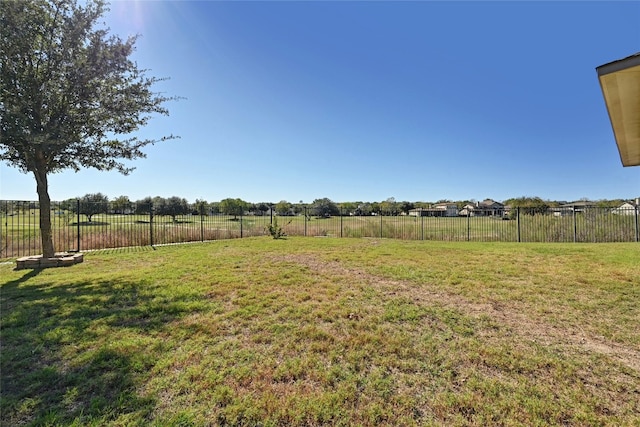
451, 209
560, 211
439, 210
416, 212
578, 206
487, 207
507, 210
467, 210
627, 208
566, 209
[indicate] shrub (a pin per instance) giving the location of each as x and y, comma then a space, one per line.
275, 230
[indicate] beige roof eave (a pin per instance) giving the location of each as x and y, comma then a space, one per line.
620, 83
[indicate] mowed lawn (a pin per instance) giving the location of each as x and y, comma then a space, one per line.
325, 331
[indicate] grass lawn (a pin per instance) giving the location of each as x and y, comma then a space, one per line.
323, 331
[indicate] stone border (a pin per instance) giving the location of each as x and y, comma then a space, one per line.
61, 259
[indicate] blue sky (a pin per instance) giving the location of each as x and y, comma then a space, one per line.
365, 100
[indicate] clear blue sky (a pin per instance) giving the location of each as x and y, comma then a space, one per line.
362, 101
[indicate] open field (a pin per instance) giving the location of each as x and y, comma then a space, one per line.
322, 331
20, 235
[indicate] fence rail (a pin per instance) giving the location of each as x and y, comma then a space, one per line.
77, 231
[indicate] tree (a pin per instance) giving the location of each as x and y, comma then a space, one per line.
283, 208
298, 208
173, 206
233, 207
91, 204
389, 206
68, 205
528, 205
348, 207
406, 207
70, 96
606, 203
363, 209
143, 206
121, 205
214, 208
262, 208
324, 208
200, 207
4, 207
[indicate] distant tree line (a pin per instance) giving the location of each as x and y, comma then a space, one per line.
96, 203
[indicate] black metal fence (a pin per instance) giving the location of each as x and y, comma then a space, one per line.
80, 229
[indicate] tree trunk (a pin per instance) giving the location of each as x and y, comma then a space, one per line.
45, 212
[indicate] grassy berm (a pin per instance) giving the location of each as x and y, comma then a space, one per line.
325, 331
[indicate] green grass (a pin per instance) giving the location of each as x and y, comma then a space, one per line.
313, 331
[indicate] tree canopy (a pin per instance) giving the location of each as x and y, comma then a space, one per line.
143, 206
284, 208
324, 208
233, 207
200, 207
71, 97
121, 204
529, 205
172, 206
91, 204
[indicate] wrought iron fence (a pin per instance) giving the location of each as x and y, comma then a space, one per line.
82, 228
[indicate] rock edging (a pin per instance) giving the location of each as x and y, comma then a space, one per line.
61, 259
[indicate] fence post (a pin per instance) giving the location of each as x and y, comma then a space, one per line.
151, 223
305, 221
381, 223
518, 223
6, 228
468, 226
341, 213
201, 224
637, 228
421, 226
78, 222
241, 224
575, 225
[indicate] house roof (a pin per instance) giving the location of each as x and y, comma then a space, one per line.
578, 204
489, 202
620, 84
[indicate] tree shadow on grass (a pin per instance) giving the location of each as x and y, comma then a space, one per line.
89, 223
63, 358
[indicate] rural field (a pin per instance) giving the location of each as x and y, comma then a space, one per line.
321, 331
20, 230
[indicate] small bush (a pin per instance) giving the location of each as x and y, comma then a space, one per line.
275, 230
